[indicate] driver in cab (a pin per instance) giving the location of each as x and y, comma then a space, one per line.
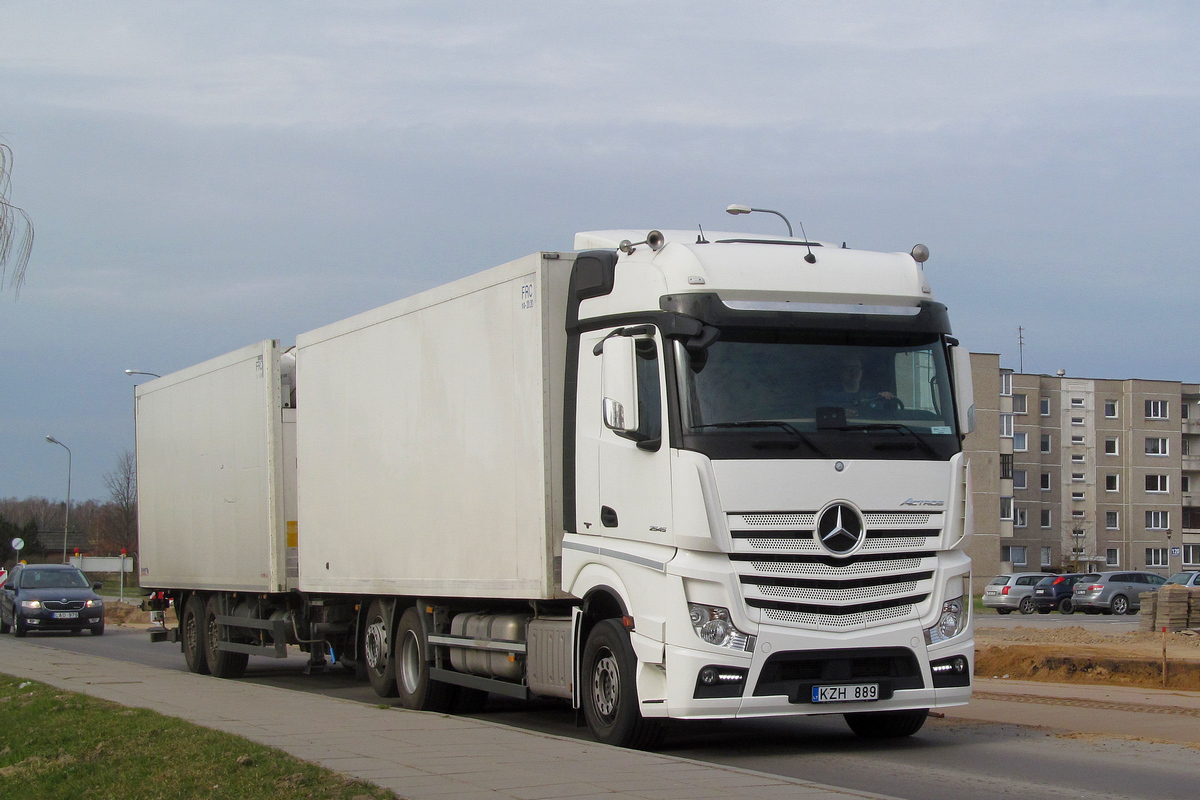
847, 391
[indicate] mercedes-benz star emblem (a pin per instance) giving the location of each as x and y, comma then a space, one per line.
840, 529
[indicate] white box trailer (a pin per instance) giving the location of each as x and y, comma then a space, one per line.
660, 476
430, 444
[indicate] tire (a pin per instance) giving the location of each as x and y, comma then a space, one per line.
1120, 605
416, 690
1004, 610
19, 630
4, 626
97, 630
1066, 606
221, 663
610, 701
191, 635
887, 724
377, 652
1026, 606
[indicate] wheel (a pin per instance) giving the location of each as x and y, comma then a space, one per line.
4, 626
97, 630
191, 635
610, 702
417, 691
1026, 606
19, 630
887, 724
1120, 605
222, 663
1003, 610
377, 654
1066, 606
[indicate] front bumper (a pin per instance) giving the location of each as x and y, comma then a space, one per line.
786, 664
43, 620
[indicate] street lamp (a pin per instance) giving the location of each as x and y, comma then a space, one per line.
67, 521
139, 372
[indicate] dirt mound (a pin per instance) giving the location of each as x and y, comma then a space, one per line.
119, 613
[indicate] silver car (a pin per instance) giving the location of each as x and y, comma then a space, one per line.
1116, 592
1188, 578
1014, 592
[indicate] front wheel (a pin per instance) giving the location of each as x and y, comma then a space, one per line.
97, 630
377, 653
222, 663
417, 690
887, 724
610, 702
1120, 605
1026, 606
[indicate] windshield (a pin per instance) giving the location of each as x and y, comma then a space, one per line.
759, 393
53, 579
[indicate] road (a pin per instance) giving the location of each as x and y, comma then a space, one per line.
949, 758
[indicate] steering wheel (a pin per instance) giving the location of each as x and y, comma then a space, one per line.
887, 405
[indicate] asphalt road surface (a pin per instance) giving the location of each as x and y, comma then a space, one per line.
949, 759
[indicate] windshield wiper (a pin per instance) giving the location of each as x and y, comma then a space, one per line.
893, 426
766, 423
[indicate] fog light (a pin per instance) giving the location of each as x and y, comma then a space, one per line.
953, 671
717, 681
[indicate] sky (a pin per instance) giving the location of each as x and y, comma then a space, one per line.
206, 175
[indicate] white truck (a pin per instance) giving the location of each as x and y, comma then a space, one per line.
688, 478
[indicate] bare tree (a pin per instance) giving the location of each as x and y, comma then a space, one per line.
16, 229
119, 519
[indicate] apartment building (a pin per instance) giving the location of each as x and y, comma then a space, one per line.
1087, 474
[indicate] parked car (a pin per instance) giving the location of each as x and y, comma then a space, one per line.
1190, 579
1116, 592
1057, 591
1009, 593
50, 597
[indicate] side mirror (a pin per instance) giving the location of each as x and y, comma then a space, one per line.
964, 391
619, 384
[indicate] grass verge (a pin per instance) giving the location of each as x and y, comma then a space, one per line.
58, 744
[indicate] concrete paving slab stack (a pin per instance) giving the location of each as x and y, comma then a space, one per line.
1172, 608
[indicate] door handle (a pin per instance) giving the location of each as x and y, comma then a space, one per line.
608, 517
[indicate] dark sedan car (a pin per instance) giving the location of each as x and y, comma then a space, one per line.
1057, 592
50, 597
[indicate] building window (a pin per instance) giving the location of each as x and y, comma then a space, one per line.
1006, 426
1112, 557
1111, 448
1020, 478
1191, 555
1157, 520
1077, 514
1076, 420
1183, 410
1112, 483
1077, 476
1111, 520
1047, 554
1045, 481
1185, 446
1156, 409
1020, 404
1077, 496
1077, 439
1076, 402
1013, 553
1020, 442
1006, 465
1020, 517
1044, 406
1046, 443
1006, 508
1185, 484
1156, 446
1110, 409
1045, 518
1079, 458
1156, 556
1156, 484
1005, 383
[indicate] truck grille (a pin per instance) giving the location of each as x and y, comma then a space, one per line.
786, 574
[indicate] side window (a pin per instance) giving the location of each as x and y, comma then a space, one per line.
649, 393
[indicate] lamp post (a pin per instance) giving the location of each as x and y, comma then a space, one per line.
67, 521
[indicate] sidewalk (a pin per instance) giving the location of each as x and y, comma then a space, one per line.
421, 756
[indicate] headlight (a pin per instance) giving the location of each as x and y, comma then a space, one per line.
31, 604
712, 624
951, 623
94, 603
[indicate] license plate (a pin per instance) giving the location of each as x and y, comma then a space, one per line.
854, 693
992, 591
66, 615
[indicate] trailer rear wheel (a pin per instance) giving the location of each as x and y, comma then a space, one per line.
191, 635
887, 724
377, 653
222, 663
416, 689
610, 701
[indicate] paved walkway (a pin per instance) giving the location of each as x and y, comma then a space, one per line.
418, 755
